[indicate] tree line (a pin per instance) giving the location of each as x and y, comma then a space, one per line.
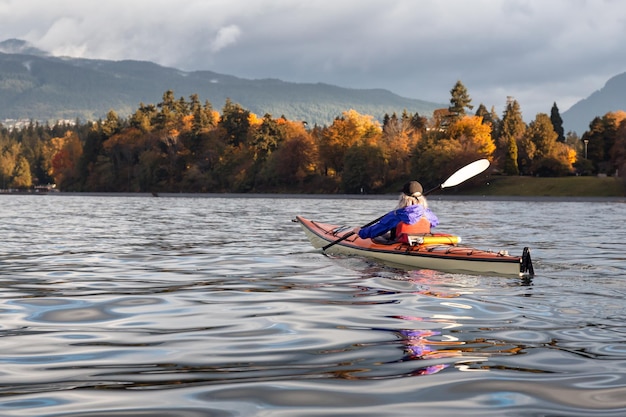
185, 145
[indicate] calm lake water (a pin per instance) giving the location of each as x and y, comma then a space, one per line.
183, 306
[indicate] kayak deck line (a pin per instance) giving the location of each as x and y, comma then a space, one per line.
443, 253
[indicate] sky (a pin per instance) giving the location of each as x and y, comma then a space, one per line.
538, 52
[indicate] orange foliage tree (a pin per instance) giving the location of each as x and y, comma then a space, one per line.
399, 138
63, 154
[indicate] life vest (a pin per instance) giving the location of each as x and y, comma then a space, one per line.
422, 226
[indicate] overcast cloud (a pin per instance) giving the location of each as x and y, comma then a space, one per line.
537, 51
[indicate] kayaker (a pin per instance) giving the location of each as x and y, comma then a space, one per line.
411, 216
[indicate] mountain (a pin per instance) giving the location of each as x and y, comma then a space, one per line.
37, 86
18, 46
612, 97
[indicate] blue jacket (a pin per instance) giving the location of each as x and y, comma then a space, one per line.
409, 215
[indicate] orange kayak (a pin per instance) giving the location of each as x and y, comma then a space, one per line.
436, 251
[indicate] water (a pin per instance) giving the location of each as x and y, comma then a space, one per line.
142, 306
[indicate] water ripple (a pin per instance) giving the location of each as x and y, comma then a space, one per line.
159, 306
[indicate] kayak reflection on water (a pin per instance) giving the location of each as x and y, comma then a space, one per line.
418, 346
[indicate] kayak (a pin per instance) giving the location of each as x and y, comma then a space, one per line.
438, 251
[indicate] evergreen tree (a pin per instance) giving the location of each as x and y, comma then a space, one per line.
266, 137
557, 123
459, 100
166, 117
112, 124
482, 111
92, 148
387, 119
143, 117
510, 161
199, 119
489, 117
512, 129
600, 138
594, 141
236, 121
418, 122
541, 133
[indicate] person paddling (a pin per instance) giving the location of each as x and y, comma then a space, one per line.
411, 216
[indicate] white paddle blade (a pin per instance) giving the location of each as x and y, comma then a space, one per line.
466, 173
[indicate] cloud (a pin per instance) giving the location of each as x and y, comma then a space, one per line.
537, 51
225, 36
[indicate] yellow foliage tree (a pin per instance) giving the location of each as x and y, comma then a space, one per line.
346, 131
22, 177
473, 135
10, 165
466, 139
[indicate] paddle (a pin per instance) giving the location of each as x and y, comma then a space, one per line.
458, 177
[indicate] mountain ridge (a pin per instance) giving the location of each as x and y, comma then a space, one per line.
610, 98
35, 85
38, 86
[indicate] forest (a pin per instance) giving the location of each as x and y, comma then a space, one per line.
184, 145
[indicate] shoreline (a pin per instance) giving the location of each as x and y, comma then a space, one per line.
435, 197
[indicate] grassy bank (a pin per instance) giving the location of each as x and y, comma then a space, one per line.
551, 187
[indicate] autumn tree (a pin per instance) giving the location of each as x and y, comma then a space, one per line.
345, 132
440, 120
64, 153
33, 139
10, 154
295, 159
363, 164
542, 134
541, 154
474, 137
399, 137
22, 177
465, 140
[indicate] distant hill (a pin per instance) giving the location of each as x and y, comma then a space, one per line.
611, 97
37, 86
